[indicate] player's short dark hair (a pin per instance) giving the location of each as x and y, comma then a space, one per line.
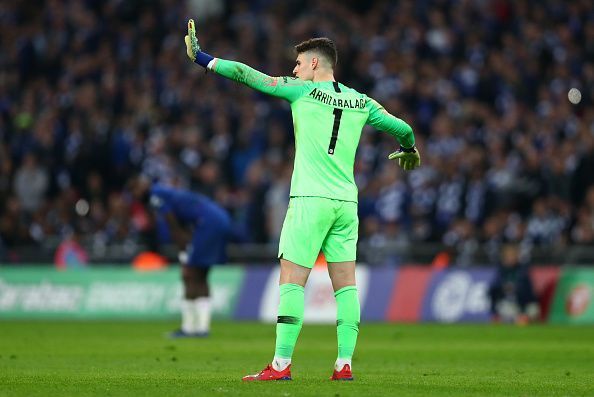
323, 45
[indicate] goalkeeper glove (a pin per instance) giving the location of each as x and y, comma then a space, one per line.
193, 48
408, 159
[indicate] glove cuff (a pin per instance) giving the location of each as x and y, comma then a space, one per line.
203, 59
409, 150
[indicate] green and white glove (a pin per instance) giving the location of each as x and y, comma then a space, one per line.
408, 159
192, 46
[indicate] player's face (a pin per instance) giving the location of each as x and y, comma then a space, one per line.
304, 66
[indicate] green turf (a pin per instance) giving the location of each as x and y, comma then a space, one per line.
52, 358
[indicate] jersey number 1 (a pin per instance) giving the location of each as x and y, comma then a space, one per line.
335, 127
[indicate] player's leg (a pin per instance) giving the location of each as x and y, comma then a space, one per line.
495, 296
206, 249
340, 248
195, 305
302, 235
348, 316
290, 311
202, 302
304, 230
209, 248
191, 292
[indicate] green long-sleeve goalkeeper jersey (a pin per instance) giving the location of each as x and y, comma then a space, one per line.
328, 118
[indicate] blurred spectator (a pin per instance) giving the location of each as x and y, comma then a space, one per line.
583, 230
378, 236
13, 224
277, 200
31, 183
545, 224
512, 296
70, 254
462, 242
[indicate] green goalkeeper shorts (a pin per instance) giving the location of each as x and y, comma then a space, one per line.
316, 223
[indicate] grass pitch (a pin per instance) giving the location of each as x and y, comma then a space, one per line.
59, 358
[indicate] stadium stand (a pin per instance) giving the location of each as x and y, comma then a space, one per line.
95, 92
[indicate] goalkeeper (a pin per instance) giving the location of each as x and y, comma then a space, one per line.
328, 118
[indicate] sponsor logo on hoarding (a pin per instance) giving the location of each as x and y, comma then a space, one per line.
459, 296
578, 299
97, 293
40, 297
128, 296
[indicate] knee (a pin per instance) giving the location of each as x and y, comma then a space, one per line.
188, 275
347, 305
195, 282
291, 273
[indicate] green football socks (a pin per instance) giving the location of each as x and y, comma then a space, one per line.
290, 319
347, 321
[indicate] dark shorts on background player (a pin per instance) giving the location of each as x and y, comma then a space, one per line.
209, 240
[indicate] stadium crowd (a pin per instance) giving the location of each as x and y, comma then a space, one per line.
94, 92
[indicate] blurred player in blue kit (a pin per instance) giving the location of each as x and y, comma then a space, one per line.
200, 228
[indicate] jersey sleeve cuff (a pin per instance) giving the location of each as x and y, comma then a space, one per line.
211, 64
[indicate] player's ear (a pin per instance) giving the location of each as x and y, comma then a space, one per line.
314, 62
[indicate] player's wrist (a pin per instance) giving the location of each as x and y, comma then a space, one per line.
203, 59
412, 149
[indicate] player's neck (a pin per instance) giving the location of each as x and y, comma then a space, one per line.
323, 76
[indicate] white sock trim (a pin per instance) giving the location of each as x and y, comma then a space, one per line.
341, 362
279, 363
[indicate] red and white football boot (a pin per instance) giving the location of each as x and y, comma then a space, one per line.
270, 373
344, 374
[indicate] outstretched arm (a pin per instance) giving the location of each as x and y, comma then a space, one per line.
288, 88
408, 155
